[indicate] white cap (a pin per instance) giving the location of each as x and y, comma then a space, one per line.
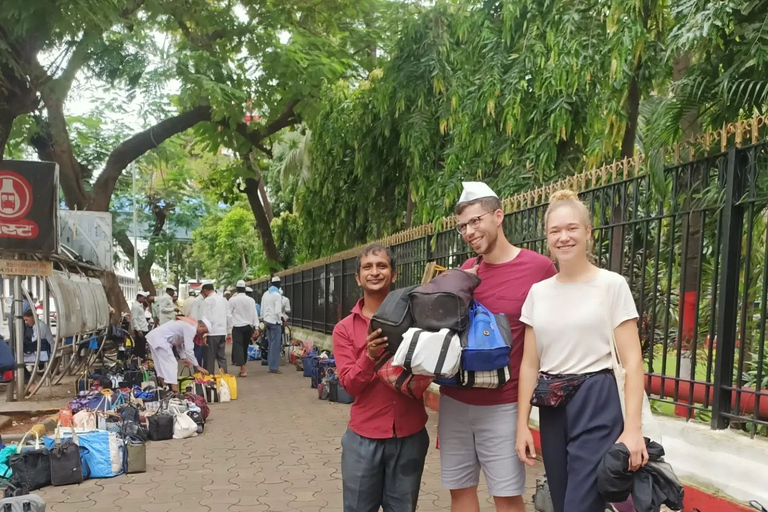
142, 294
170, 287
475, 190
276, 279
207, 323
206, 281
240, 284
248, 289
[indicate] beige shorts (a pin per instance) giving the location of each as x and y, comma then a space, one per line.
475, 437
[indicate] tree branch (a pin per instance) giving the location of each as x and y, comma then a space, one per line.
77, 60
256, 137
134, 147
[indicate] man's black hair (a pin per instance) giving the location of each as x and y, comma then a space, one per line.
208, 287
241, 289
489, 204
374, 249
139, 296
29, 314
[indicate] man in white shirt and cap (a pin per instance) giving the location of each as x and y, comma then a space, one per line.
139, 325
244, 321
166, 309
271, 313
216, 310
178, 334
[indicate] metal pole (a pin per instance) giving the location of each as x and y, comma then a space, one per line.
135, 234
728, 304
18, 336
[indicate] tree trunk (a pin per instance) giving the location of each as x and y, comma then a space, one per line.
265, 201
409, 208
262, 223
61, 152
692, 228
627, 151
6, 124
145, 278
115, 297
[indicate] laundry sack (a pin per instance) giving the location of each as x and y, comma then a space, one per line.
429, 353
183, 426
224, 393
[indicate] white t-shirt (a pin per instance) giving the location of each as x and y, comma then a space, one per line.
574, 322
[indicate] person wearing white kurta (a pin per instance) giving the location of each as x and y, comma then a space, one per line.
166, 309
181, 335
139, 325
186, 309
244, 321
216, 310
196, 307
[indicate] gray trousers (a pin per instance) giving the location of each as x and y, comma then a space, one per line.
382, 472
215, 352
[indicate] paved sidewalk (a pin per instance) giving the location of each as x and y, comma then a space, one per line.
276, 448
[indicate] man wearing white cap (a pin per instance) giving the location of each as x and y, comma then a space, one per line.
244, 321
139, 325
166, 309
178, 334
271, 313
216, 310
477, 427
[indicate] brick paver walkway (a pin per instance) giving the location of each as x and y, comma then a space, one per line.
276, 448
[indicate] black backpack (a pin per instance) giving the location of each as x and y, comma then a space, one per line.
394, 317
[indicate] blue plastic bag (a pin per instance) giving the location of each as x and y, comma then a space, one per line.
254, 353
486, 348
94, 345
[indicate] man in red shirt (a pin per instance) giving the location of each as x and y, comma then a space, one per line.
477, 426
384, 448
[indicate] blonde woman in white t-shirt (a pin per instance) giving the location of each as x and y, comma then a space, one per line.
566, 370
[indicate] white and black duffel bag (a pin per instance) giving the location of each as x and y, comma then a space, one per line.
429, 353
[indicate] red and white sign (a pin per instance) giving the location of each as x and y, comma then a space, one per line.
15, 203
29, 207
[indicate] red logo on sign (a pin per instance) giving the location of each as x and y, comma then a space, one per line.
15, 203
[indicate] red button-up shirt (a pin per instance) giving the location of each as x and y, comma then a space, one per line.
379, 412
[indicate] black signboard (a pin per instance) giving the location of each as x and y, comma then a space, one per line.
29, 207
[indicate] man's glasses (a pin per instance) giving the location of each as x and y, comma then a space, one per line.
474, 223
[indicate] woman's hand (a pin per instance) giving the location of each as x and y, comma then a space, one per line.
638, 454
526, 450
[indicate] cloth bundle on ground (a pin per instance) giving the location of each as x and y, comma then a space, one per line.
651, 486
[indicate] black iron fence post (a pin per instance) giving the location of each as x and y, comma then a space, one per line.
727, 307
326, 286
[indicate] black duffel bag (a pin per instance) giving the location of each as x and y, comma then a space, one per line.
31, 466
66, 463
394, 317
161, 426
443, 303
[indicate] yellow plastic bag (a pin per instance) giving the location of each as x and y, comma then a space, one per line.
230, 380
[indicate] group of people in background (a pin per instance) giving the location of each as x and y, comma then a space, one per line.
198, 331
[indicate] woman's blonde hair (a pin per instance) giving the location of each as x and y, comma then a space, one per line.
570, 198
